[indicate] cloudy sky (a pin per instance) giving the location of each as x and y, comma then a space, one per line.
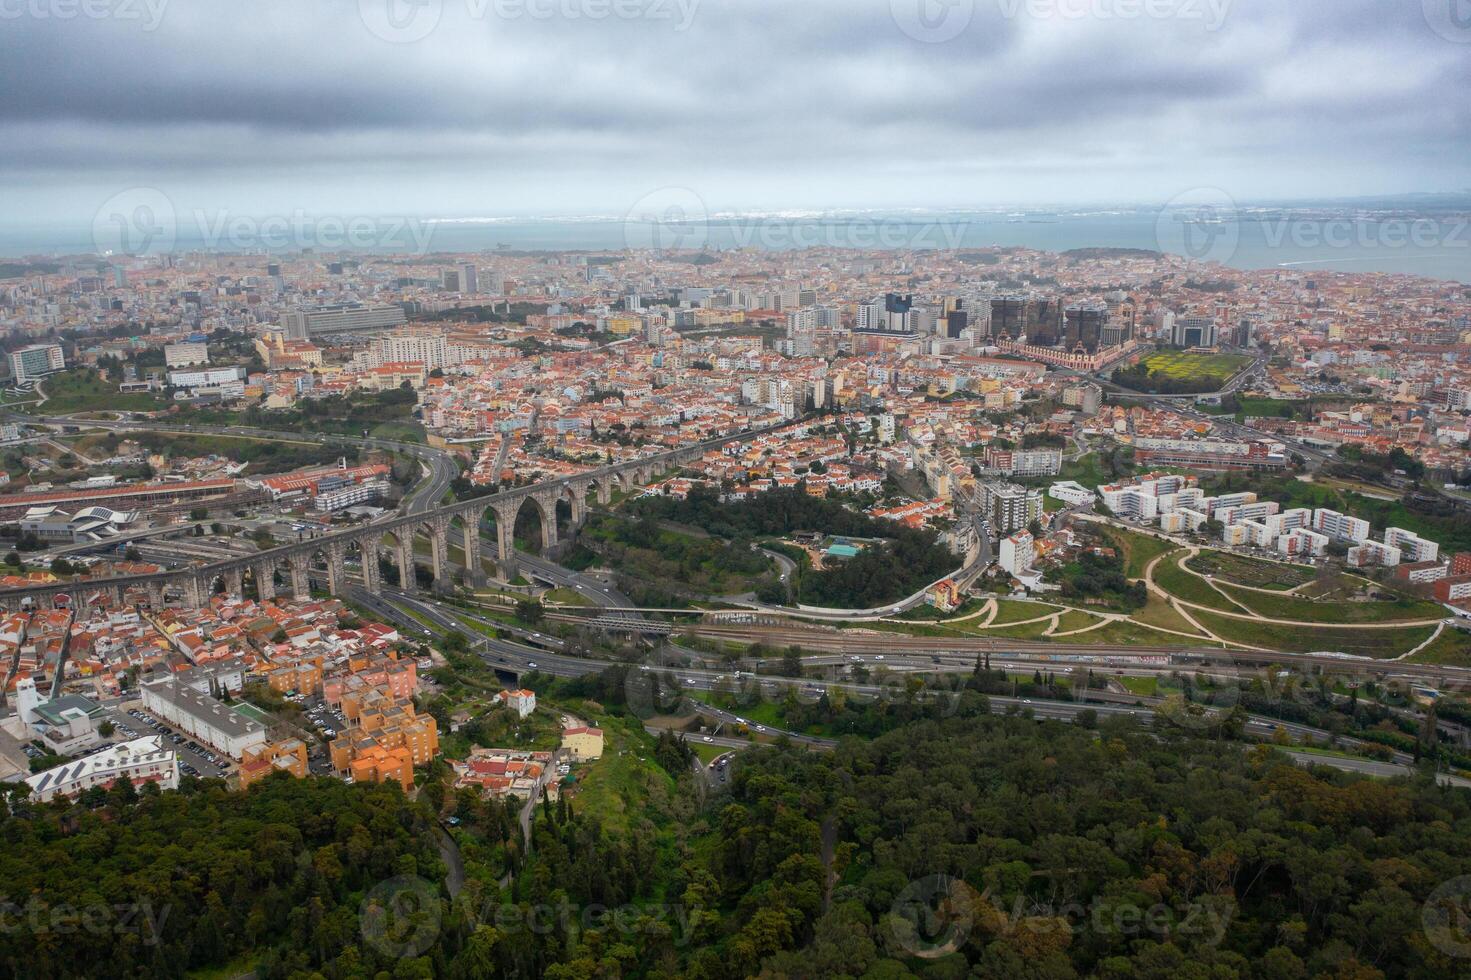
511, 107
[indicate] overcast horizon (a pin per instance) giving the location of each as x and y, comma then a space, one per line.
521, 108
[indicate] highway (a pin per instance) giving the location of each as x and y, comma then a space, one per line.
518, 657
1369, 767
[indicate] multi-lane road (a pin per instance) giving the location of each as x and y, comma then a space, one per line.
531, 650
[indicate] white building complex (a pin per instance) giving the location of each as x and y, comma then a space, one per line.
141, 760
36, 361
1412, 547
1246, 522
202, 718
1336, 525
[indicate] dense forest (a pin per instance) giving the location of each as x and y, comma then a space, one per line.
137, 883
679, 564
903, 563
968, 846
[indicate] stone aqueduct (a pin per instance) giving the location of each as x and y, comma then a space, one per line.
196, 583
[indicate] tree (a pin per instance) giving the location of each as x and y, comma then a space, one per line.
61, 566
530, 611
791, 662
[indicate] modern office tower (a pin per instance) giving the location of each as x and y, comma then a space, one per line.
1008, 316
449, 279
956, 322
1195, 331
1044, 322
36, 361
469, 278
1083, 326
894, 315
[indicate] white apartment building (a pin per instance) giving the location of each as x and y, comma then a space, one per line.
1412, 547
1289, 520
36, 361
1258, 534
1302, 543
201, 717
1258, 511
141, 760
1017, 553
1369, 553
1010, 507
351, 494
431, 350
1191, 498
304, 323
1336, 525
185, 355
208, 378
1215, 504
1130, 502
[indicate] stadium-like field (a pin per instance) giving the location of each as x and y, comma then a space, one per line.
1182, 365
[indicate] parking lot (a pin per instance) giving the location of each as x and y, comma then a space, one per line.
326, 722
195, 759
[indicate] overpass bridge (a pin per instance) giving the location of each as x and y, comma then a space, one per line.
366, 543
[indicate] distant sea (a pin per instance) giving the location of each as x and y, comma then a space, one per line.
1437, 247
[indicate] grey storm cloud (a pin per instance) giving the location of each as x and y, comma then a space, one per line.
510, 106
